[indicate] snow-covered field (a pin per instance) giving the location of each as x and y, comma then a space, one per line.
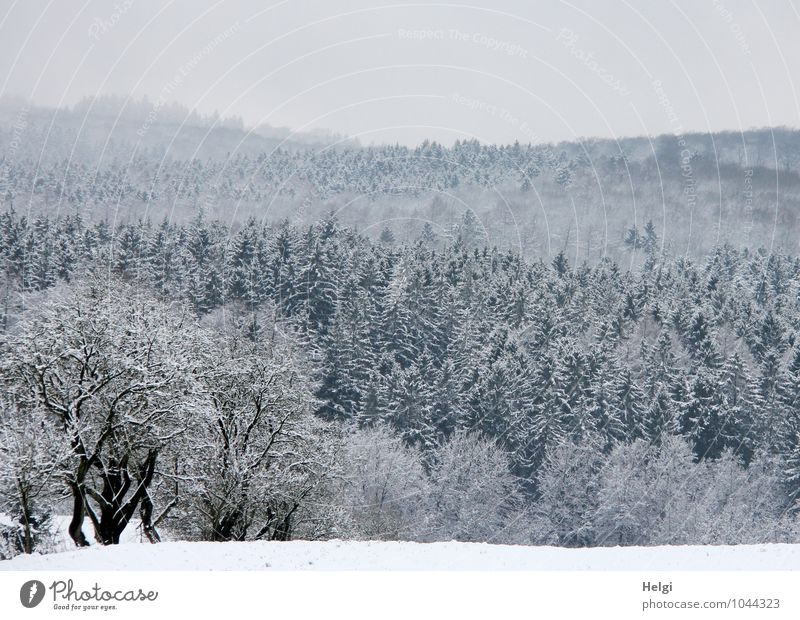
350, 555
135, 554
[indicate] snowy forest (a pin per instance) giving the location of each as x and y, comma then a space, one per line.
276, 381
216, 333
103, 160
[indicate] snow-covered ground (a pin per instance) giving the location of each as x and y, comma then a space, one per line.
59, 539
350, 555
135, 554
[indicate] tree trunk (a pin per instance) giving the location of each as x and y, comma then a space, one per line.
27, 542
76, 524
146, 513
115, 511
283, 530
222, 530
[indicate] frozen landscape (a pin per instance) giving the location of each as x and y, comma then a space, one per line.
355, 555
348, 288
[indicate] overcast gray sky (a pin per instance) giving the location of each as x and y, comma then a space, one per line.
404, 71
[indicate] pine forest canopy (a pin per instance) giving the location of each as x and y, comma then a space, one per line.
431, 337
578, 344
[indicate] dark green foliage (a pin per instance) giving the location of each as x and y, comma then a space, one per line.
461, 337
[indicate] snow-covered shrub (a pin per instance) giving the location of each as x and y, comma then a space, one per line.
647, 494
744, 506
472, 491
567, 494
30, 456
382, 486
34, 535
658, 495
11, 537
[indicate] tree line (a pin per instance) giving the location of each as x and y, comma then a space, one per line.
271, 381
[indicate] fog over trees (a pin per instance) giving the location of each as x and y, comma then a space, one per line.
104, 160
475, 342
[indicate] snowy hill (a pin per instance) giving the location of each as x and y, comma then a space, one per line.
351, 555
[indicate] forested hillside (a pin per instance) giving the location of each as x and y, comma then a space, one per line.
122, 161
433, 389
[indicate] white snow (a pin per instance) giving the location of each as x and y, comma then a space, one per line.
350, 555
59, 539
135, 554
63, 542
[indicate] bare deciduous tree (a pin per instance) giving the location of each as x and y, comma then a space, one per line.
106, 363
256, 451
